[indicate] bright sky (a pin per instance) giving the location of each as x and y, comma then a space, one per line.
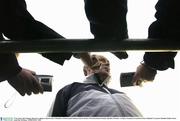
67, 17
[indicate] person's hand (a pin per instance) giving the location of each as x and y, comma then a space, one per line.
143, 73
26, 82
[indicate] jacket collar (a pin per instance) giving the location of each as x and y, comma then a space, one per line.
91, 79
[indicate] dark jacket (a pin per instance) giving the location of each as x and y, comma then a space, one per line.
10, 10
17, 23
160, 60
9, 66
166, 27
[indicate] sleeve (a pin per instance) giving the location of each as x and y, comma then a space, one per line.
9, 66
160, 60
168, 11
61, 102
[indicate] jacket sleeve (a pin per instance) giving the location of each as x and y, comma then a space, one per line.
160, 60
166, 26
61, 102
9, 66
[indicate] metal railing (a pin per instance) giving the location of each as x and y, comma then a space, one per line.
87, 45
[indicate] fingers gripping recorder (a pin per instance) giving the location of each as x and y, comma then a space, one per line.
46, 82
144, 73
126, 79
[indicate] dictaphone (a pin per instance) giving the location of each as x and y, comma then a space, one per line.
46, 82
126, 79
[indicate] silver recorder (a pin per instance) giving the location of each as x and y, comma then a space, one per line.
46, 82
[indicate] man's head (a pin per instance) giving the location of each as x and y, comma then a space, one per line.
101, 66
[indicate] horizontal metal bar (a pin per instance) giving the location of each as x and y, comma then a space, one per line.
87, 45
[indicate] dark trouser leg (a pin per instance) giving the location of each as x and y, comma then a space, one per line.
107, 19
21, 25
166, 27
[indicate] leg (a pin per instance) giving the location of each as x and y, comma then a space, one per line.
108, 20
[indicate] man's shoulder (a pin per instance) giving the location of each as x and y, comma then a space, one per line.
115, 91
73, 86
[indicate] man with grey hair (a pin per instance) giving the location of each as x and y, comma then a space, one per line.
93, 98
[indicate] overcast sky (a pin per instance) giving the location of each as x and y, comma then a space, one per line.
67, 17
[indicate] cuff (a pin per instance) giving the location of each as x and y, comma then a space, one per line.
160, 60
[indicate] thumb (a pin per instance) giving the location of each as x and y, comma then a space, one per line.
32, 72
136, 79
